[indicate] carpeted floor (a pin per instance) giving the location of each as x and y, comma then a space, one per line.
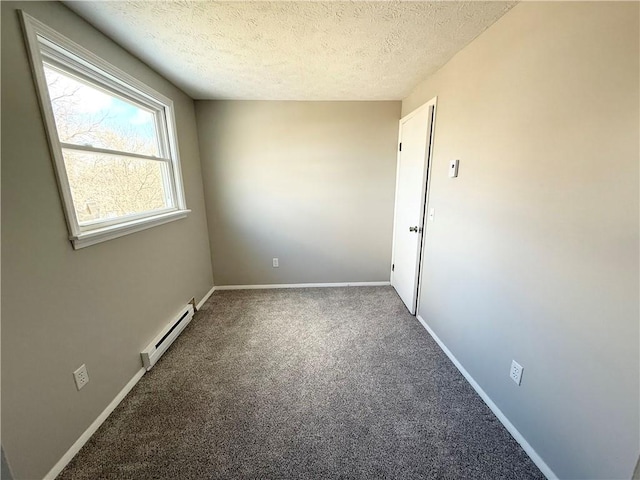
303, 384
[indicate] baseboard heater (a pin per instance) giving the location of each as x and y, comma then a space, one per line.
166, 337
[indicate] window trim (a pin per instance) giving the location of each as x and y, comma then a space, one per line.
130, 88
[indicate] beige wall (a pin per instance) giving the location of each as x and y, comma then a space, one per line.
100, 305
311, 183
533, 254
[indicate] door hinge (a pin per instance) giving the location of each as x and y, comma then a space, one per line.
400, 146
393, 267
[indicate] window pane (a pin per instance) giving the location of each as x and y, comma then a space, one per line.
109, 186
89, 116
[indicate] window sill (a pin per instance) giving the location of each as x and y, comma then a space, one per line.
99, 235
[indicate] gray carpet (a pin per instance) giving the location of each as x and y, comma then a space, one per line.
305, 383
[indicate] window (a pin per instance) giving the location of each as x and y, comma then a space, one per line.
112, 141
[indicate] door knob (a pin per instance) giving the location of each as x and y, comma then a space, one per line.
413, 229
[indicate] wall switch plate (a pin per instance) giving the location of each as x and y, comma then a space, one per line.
516, 372
432, 214
453, 168
81, 376
276, 263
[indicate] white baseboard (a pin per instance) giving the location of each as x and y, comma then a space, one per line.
301, 285
544, 468
75, 448
205, 298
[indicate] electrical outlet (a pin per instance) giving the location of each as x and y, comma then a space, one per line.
516, 372
81, 376
276, 264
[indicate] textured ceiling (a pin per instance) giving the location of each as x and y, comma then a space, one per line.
293, 50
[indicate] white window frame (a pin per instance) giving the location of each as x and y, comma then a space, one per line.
44, 42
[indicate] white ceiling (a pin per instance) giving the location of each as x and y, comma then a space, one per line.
293, 50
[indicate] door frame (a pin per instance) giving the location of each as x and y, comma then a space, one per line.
426, 181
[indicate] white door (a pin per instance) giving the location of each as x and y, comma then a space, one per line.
411, 187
